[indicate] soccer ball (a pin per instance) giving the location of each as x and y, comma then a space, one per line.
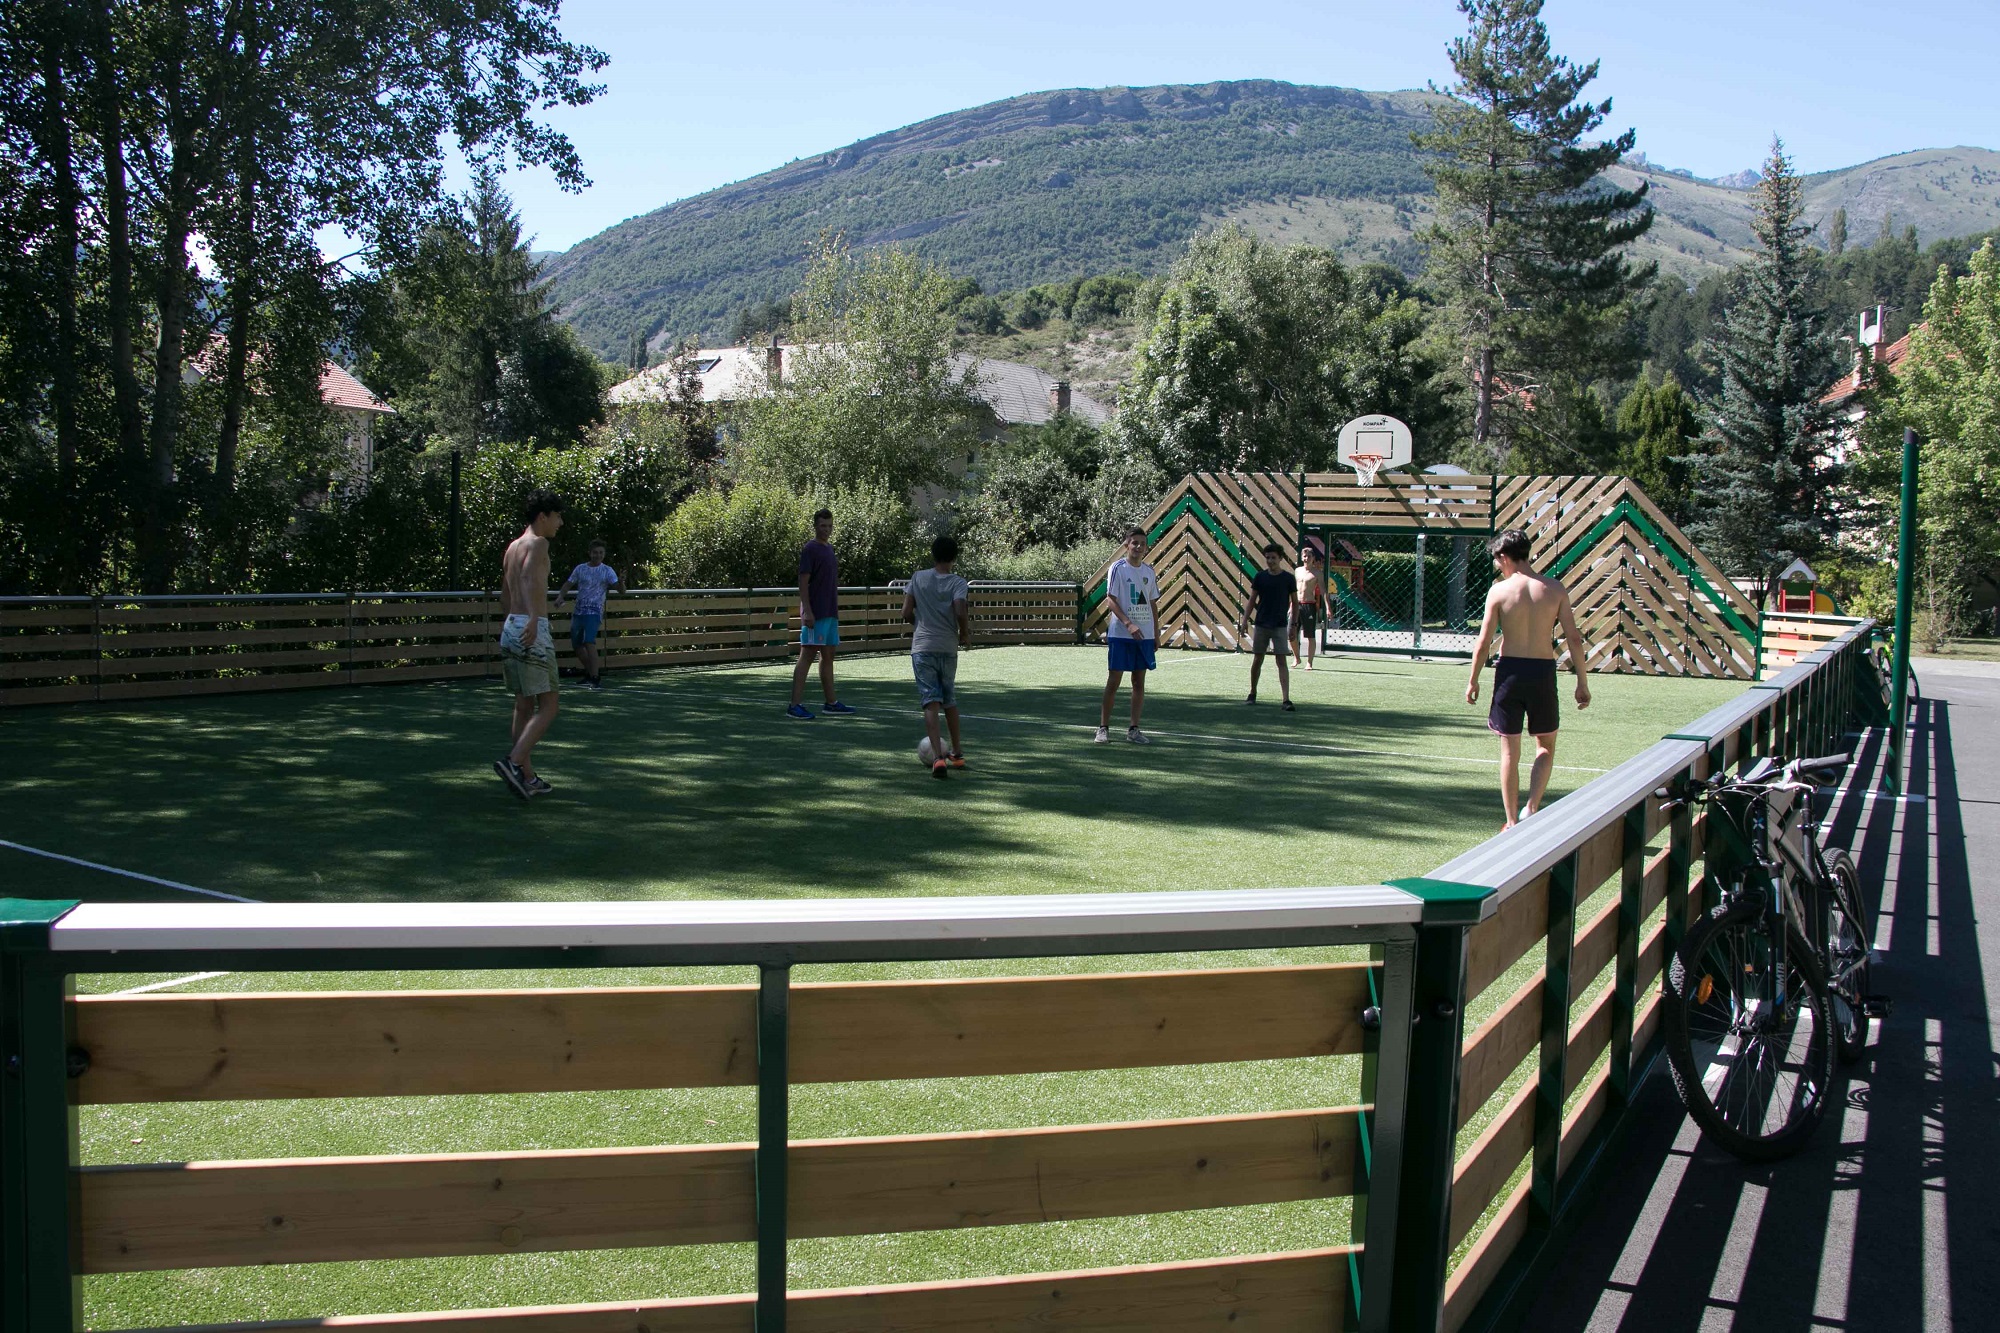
925, 755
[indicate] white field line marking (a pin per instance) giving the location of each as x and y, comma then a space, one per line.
177, 981
1190, 657
128, 874
1203, 736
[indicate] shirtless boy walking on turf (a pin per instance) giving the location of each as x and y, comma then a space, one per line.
1311, 578
527, 652
1525, 608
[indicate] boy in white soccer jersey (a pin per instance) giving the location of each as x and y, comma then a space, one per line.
1132, 592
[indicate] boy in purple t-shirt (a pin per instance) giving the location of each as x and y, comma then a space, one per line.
819, 619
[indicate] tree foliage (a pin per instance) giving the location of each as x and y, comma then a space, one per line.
1948, 390
1259, 352
1059, 486
869, 396
466, 346
1658, 427
1761, 485
149, 133
1528, 248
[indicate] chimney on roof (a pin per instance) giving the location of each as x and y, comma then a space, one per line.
774, 362
1867, 335
1059, 398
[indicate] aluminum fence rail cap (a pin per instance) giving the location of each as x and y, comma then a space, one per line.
767, 922
1507, 862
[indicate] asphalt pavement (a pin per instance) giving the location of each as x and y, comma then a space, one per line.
1890, 1219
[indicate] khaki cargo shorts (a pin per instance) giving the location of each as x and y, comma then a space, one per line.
527, 669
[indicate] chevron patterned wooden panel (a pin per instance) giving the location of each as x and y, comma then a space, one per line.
1641, 609
1640, 615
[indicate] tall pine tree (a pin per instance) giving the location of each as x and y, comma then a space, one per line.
1760, 489
1528, 249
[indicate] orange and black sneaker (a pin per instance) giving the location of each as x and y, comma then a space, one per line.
955, 759
940, 769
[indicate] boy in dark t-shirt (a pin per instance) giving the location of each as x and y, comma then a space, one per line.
1273, 599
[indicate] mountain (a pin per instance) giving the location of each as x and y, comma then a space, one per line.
1016, 192
1080, 181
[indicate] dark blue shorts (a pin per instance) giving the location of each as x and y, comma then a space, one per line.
1131, 654
583, 627
1524, 690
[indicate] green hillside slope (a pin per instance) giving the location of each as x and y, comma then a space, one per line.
1013, 193
1058, 184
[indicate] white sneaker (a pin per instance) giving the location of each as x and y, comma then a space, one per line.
1137, 737
1102, 737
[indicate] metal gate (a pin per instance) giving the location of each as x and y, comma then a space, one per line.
1416, 593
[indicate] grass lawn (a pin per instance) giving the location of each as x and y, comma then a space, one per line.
1964, 650
683, 784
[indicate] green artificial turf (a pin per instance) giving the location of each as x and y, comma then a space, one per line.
676, 784
694, 784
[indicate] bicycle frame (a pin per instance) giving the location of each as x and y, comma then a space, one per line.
1766, 829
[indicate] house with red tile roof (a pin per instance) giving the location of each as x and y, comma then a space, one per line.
353, 402
1846, 397
358, 409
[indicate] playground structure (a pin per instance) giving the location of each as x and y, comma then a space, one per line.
1407, 571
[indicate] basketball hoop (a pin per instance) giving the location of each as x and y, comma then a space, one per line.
1369, 444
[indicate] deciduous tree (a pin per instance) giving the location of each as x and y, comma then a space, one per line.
868, 396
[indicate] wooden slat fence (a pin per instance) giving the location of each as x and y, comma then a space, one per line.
78, 649
1783, 639
1201, 532
145, 1217
1648, 601
1400, 502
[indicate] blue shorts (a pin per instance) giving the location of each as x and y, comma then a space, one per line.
937, 678
822, 633
1131, 654
583, 626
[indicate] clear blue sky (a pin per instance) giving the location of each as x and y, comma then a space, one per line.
703, 94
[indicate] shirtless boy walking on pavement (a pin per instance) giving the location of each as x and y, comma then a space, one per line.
527, 652
1525, 608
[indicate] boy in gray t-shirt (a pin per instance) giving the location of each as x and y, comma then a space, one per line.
936, 603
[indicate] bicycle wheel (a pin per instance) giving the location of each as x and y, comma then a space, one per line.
1847, 957
1754, 1075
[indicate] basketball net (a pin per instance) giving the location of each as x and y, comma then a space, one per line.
1366, 466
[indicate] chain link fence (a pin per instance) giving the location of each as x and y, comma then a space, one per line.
1404, 592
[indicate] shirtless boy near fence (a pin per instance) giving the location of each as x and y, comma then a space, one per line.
527, 652
1524, 608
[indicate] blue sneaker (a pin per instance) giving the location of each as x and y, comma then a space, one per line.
838, 710
798, 713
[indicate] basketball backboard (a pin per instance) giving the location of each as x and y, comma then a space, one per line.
1369, 444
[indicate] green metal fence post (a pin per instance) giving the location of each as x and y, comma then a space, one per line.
1385, 1082
773, 1141
1680, 866
1552, 1089
39, 1287
1430, 1128
1417, 616
1906, 567
1625, 982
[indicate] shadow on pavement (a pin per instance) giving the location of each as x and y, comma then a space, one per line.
1890, 1219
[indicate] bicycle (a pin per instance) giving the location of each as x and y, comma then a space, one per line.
1772, 984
